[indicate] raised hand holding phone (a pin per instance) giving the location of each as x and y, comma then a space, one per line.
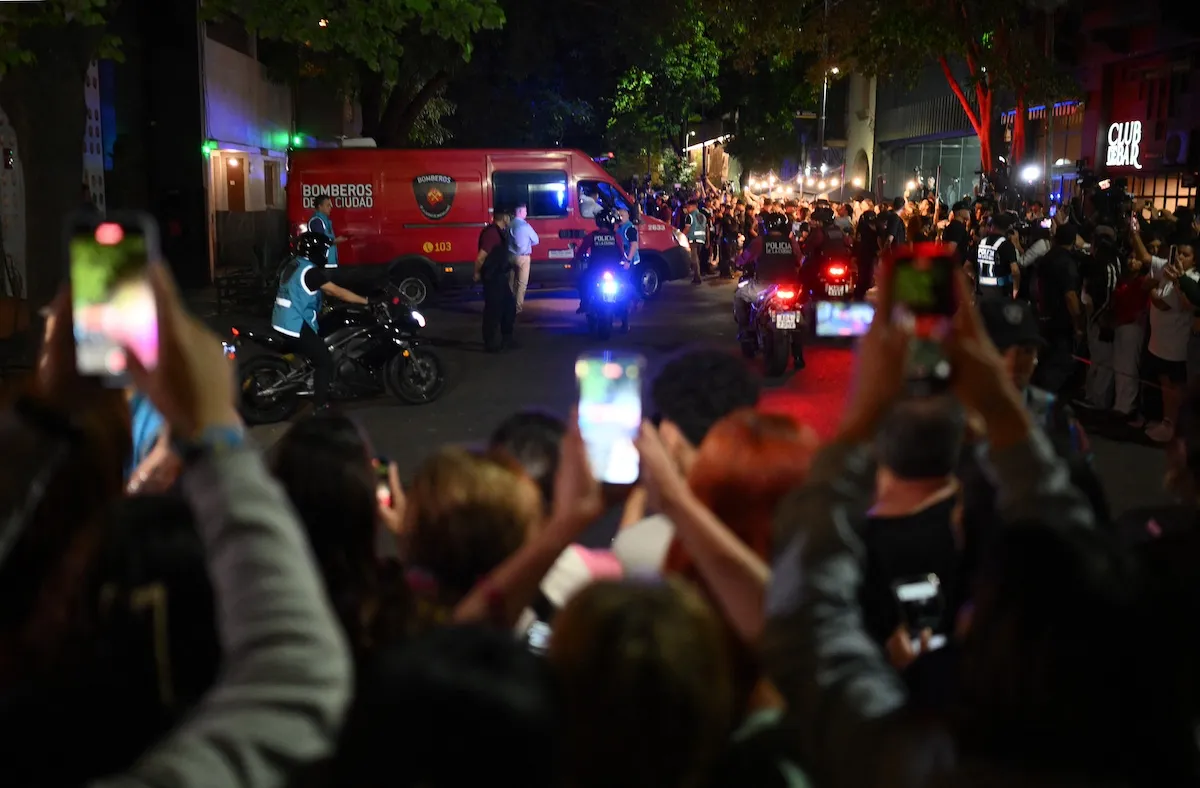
113, 306
610, 413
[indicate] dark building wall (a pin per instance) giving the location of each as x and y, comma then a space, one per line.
158, 112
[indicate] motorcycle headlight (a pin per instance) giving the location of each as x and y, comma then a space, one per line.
417, 316
609, 287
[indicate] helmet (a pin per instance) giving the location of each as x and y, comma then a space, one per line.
824, 215
606, 219
777, 223
313, 247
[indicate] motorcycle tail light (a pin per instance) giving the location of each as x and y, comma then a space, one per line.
837, 270
395, 301
786, 295
235, 332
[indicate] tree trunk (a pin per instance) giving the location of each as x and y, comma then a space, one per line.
1016, 153
370, 100
45, 103
399, 116
980, 117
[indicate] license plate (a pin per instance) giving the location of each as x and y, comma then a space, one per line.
785, 321
835, 290
230, 350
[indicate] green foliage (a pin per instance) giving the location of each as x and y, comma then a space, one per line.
427, 130
377, 33
677, 168
765, 96
18, 21
654, 101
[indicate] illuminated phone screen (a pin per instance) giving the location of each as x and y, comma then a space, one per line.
844, 318
113, 306
610, 414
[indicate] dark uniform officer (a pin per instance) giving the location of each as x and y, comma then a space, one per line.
602, 250
493, 268
298, 303
776, 259
997, 271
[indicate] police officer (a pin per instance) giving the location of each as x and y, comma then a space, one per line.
298, 302
997, 268
776, 258
695, 228
627, 234
320, 222
604, 249
493, 268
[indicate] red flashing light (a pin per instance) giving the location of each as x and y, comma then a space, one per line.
786, 295
837, 270
109, 234
395, 301
235, 332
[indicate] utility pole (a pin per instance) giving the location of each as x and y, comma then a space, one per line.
1049, 168
824, 94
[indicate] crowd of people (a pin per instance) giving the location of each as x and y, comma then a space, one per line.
1114, 290
932, 598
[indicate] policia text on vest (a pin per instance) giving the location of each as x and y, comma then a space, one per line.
995, 258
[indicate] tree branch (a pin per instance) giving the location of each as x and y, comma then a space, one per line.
960, 95
399, 116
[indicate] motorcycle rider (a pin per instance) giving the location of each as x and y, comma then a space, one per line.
604, 249
825, 242
298, 302
776, 258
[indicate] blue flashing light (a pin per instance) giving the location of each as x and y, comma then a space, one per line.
609, 287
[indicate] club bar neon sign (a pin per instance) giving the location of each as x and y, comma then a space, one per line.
1125, 144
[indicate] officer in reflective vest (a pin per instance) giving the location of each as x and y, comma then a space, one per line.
997, 270
298, 302
696, 230
320, 222
603, 251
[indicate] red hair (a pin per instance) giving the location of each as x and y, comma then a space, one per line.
747, 463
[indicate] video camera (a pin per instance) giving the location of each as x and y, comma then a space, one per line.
1109, 198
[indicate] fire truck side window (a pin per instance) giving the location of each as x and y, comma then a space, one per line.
545, 193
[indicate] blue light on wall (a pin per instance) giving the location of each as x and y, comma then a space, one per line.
108, 110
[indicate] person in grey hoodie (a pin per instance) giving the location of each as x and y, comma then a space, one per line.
286, 680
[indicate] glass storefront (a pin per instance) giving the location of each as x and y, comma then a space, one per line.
918, 162
1162, 192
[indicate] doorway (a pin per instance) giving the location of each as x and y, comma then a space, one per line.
235, 177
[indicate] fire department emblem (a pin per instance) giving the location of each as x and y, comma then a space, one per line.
435, 195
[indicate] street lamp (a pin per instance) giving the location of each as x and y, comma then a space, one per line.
834, 71
323, 23
833, 182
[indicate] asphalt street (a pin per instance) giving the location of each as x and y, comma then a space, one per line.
483, 389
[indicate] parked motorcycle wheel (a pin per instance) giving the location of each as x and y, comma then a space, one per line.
257, 375
776, 353
417, 379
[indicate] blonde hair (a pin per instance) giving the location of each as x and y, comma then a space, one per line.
466, 514
647, 684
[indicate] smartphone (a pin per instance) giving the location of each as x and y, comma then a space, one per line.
383, 481
610, 413
922, 606
924, 300
113, 305
1046, 224
537, 638
844, 318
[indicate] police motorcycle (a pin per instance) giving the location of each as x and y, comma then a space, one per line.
834, 276
606, 291
776, 323
375, 349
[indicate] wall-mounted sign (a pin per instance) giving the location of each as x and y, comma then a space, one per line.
1125, 144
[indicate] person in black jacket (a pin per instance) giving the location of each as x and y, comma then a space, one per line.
492, 269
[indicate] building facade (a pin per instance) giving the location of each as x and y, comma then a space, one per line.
1143, 100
